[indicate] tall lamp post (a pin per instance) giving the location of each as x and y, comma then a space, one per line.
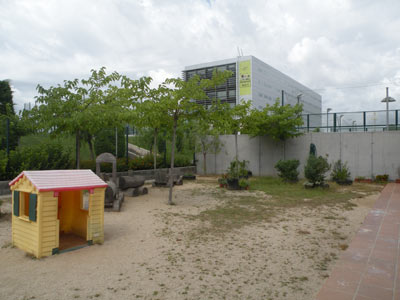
327, 118
298, 98
387, 99
340, 122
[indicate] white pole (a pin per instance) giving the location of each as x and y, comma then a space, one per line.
387, 109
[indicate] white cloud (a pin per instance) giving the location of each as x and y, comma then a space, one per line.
333, 43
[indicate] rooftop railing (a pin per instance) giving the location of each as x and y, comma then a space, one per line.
360, 121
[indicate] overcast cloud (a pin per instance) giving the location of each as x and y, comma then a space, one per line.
331, 46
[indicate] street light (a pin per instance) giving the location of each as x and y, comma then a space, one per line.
298, 98
387, 99
327, 118
340, 122
354, 125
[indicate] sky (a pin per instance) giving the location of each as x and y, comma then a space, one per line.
348, 51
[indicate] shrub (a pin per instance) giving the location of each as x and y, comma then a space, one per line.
243, 183
238, 169
315, 169
287, 169
382, 178
142, 163
46, 156
104, 167
340, 172
3, 162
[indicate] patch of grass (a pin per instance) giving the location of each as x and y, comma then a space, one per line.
294, 194
6, 245
235, 213
238, 210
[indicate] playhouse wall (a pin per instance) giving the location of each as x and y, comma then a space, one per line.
96, 216
25, 233
48, 223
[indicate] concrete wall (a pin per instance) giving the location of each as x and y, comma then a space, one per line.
366, 153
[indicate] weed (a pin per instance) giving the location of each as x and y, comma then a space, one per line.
6, 245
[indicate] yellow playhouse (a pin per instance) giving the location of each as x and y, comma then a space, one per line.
57, 210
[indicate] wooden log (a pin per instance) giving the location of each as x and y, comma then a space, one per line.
128, 192
140, 191
126, 182
111, 192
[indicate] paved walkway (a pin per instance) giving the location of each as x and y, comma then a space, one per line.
370, 267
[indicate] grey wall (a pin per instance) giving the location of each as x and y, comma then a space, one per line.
366, 153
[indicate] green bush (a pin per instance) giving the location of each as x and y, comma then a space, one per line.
104, 167
287, 169
315, 169
3, 162
340, 172
382, 178
238, 169
244, 184
47, 156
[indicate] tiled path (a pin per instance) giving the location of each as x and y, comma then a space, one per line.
370, 267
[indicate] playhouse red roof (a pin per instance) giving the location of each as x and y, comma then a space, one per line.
62, 180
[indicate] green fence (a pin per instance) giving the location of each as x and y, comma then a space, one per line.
380, 120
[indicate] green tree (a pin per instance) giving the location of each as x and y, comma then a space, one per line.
7, 115
280, 122
177, 101
208, 128
80, 107
239, 120
6, 98
151, 115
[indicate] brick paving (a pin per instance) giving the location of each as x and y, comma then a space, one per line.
369, 268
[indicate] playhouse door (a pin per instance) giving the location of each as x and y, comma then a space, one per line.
73, 220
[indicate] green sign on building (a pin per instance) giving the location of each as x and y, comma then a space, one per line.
245, 78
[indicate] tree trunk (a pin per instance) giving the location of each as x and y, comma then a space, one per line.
78, 149
171, 170
204, 163
155, 149
237, 152
284, 149
89, 141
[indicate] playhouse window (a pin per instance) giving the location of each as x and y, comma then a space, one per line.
85, 200
24, 205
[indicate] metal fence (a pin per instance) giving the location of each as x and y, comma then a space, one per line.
380, 120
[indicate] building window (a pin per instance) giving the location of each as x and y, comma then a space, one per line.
221, 95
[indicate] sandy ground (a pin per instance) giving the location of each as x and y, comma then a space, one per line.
149, 254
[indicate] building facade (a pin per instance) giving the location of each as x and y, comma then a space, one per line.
254, 80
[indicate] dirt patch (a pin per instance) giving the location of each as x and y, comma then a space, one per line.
156, 251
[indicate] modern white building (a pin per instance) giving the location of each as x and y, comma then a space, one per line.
257, 81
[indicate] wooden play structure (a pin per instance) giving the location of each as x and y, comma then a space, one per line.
56, 211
